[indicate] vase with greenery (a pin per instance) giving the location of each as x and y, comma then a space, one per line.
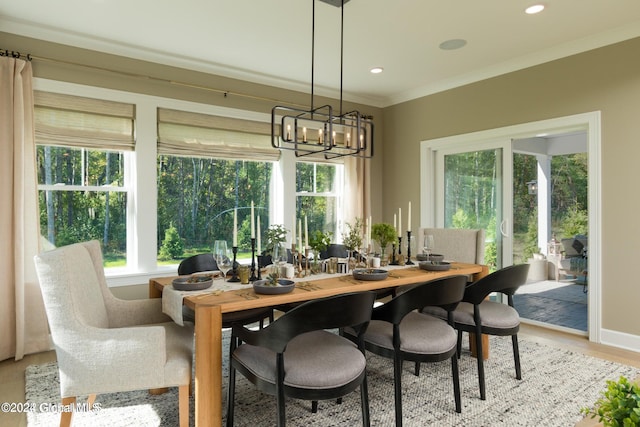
619, 404
352, 239
275, 235
318, 242
384, 234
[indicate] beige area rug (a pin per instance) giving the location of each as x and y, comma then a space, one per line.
556, 384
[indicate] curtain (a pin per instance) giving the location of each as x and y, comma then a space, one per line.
357, 196
23, 322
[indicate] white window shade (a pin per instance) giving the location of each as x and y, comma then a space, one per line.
182, 133
73, 121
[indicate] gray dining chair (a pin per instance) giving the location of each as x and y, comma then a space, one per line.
478, 314
295, 356
104, 344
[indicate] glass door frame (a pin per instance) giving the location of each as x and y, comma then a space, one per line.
591, 122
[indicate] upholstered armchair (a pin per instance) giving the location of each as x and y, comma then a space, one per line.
104, 344
456, 244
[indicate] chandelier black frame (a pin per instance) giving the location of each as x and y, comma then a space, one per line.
318, 129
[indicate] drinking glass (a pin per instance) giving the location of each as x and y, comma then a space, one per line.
221, 255
280, 256
428, 245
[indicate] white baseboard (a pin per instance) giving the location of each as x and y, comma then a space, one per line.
620, 340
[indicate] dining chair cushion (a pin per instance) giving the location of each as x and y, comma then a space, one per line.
493, 314
420, 333
317, 359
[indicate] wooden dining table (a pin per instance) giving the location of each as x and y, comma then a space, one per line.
210, 307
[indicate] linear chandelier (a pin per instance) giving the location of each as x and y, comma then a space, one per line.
319, 129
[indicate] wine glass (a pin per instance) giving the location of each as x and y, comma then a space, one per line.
280, 256
221, 255
428, 245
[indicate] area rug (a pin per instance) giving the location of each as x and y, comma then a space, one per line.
556, 384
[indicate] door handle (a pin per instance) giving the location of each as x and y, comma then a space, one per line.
503, 226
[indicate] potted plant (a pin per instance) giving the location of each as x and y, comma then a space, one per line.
318, 242
276, 234
352, 239
384, 234
619, 404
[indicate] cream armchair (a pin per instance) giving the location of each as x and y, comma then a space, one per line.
104, 344
455, 244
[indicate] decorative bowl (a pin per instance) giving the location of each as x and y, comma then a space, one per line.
263, 287
432, 257
435, 266
192, 283
370, 274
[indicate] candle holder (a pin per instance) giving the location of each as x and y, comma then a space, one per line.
394, 261
234, 277
306, 261
253, 276
409, 262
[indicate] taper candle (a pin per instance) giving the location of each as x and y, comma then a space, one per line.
253, 225
293, 231
235, 227
399, 222
300, 234
258, 235
306, 232
409, 218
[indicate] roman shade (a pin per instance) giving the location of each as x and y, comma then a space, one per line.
183, 133
74, 121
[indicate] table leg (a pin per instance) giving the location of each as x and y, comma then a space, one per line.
485, 338
208, 398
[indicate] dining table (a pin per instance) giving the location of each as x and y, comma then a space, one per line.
209, 307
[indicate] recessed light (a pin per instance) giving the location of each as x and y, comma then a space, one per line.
536, 8
376, 70
453, 44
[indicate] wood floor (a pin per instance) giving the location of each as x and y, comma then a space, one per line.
12, 372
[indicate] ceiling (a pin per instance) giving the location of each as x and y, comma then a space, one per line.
269, 41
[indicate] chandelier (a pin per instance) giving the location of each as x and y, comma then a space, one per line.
320, 129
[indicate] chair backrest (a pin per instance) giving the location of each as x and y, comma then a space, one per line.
197, 263
71, 289
456, 244
506, 280
446, 293
334, 250
339, 311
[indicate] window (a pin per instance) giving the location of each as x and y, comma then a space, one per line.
209, 166
82, 159
318, 195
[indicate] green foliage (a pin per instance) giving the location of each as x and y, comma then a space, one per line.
576, 221
172, 245
531, 238
491, 247
462, 220
352, 239
384, 234
319, 241
276, 233
619, 404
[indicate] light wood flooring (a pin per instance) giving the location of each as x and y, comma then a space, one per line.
12, 372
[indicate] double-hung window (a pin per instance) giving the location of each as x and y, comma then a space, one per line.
210, 167
83, 159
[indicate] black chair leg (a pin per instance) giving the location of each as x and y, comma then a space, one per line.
516, 356
314, 406
483, 395
459, 345
339, 401
364, 401
417, 369
231, 396
456, 382
397, 384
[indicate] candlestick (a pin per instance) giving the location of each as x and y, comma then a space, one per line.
234, 270
235, 227
253, 225
409, 262
253, 277
394, 261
